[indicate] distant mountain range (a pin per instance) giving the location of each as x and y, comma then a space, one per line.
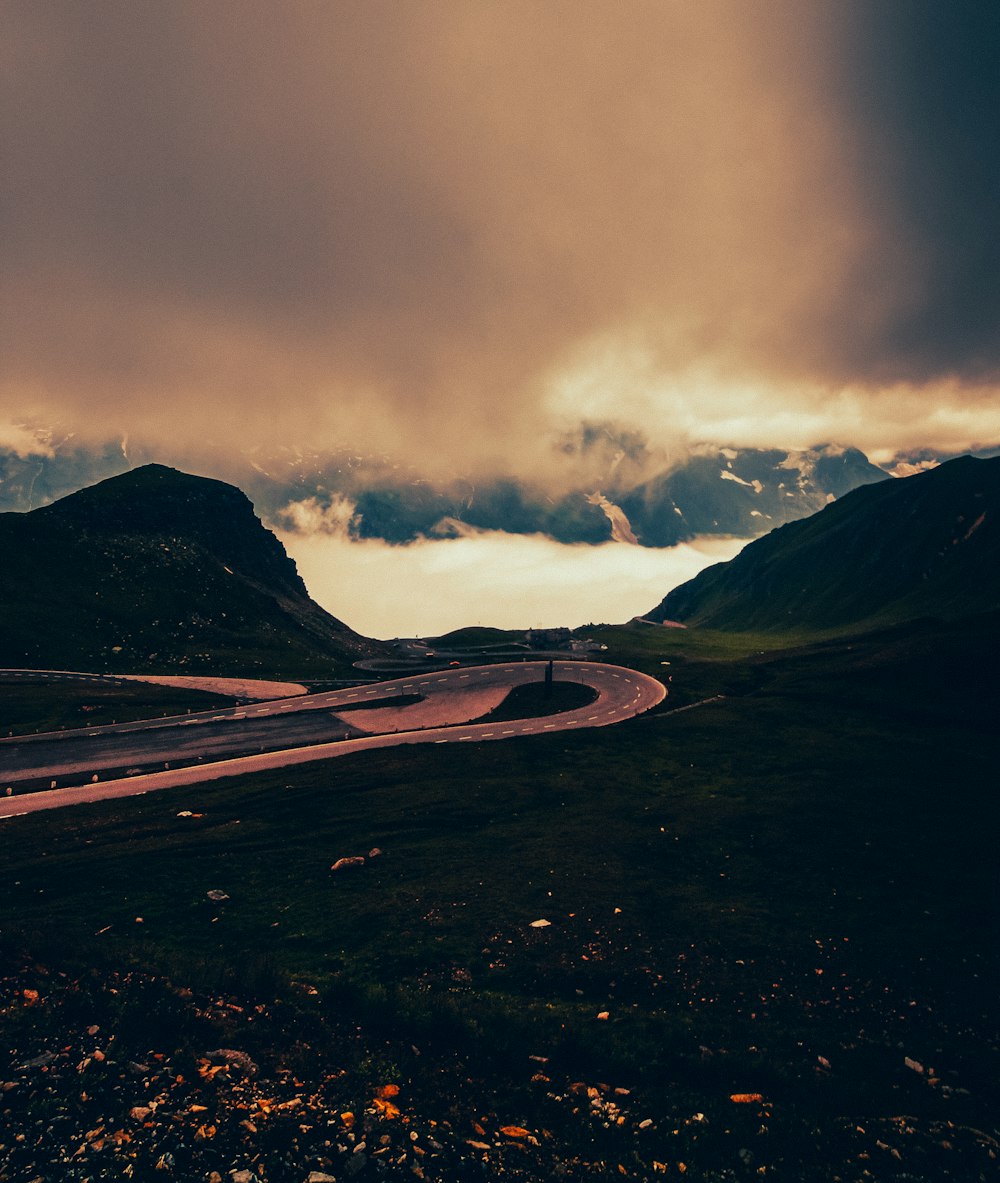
926, 545
627, 495
743, 493
158, 570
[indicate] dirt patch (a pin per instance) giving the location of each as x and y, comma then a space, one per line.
237, 687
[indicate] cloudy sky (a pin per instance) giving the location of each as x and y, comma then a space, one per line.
449, 229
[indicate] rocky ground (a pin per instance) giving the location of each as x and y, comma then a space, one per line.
110, 1075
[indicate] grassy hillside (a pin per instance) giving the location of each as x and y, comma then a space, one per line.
927, 545
159, 570
28, 705
786, 893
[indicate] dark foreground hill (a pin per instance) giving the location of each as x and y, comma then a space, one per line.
926, 545
158, 569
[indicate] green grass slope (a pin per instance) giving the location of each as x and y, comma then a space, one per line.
926, 545
157, 569
787, 893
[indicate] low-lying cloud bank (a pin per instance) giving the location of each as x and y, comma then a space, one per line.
432, 586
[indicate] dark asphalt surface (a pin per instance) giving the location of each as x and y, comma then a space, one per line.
295, 730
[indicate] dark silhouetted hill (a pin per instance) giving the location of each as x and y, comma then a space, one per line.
158, 569
898, 550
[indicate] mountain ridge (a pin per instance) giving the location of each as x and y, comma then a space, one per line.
612, 487
922, 545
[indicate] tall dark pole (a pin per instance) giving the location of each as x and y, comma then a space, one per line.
548, 679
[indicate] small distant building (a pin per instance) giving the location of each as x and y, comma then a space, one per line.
548, 638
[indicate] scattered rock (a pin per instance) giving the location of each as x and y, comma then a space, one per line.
235, 1059
40, 1061
216, 895
214, 1108
374, 852
540, 924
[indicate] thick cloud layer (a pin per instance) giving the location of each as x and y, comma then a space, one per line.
451, 230
544, 585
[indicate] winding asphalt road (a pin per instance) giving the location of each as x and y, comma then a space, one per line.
435, 707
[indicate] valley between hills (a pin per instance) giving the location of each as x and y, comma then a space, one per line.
754, 939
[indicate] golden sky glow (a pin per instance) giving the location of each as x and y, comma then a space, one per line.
447, 230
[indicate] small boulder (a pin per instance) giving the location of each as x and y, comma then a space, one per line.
354, 860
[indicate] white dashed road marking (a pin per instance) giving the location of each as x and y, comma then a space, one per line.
619, 702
